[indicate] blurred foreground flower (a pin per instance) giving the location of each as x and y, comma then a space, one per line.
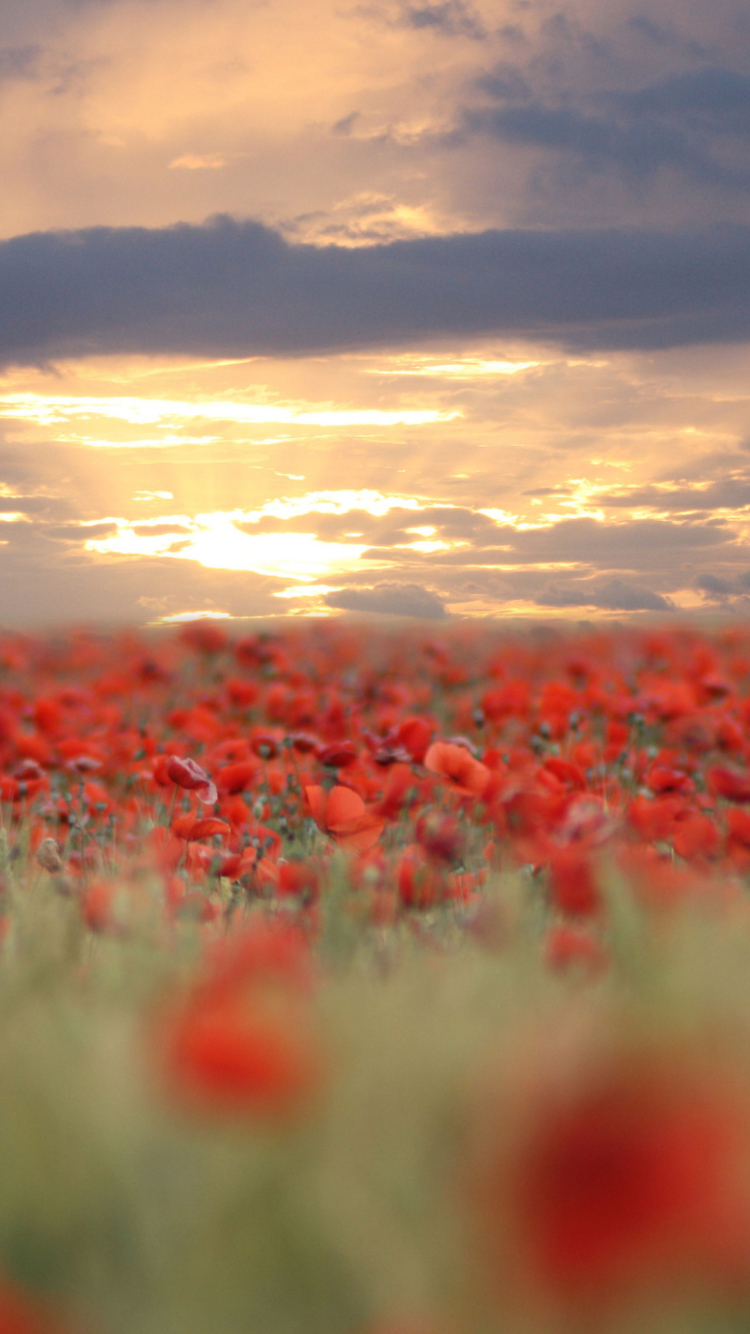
631, 1181
241, 1043
20, 1315
220, 1057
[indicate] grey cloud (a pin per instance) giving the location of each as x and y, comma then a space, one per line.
718, 95
75, 532
237, 288
658, 35
505, 82
723, 589
713, 584
632, 545
548, 491
38, 591
638, 149
687, 121
24, 504
159, 529
453, 18
588, 539
727, 493
389, 599
19, 62
612, 596
451, 522
343, 126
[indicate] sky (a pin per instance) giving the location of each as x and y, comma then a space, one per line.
415, 308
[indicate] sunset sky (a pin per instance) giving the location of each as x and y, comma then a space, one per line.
419, 307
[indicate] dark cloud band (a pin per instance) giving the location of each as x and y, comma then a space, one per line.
237, 288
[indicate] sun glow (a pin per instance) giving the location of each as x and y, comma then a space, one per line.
50, 409
306, 591
178, 617
469, 368
216, 542
224, 540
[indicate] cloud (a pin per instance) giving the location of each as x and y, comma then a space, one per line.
664, 37
696, 120
76, 532
389, 599
239, 289
731, 493
615, 595
39, 589
714, 585
452, 18
636, 544
719, 588
19, 62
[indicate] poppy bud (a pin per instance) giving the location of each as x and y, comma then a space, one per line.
48, 855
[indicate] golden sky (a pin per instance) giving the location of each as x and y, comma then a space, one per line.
433, 308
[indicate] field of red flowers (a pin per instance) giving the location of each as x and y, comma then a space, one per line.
375, 983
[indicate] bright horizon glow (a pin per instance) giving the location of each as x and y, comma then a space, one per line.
179, 616
49, 409
217, 544
306, 591
468, 369
216, 541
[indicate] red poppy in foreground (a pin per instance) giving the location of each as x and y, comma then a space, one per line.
221, 1056
630, 1181
20, 1315
343, 814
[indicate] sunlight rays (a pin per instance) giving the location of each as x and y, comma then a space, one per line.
50, 409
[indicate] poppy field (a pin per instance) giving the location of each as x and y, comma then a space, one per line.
359, 982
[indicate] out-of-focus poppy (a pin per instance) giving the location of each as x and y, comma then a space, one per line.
729, 784
222, 1058
568, 947
188, 827
573, 884
441, 836
628, 1180
20, 1314
419, 884
233, 778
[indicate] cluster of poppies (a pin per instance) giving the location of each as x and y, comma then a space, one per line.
431, 762
275, 811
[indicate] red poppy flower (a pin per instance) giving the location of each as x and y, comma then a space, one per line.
729, 784
343, 814
233, 778
573, 884
221, 1057
19, 1314
189, 774
570, 947
441, 836
188, 827
629, 1178
417, 879
337, 755
455, 763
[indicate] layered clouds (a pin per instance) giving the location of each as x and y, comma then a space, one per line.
426, 308
239, 289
